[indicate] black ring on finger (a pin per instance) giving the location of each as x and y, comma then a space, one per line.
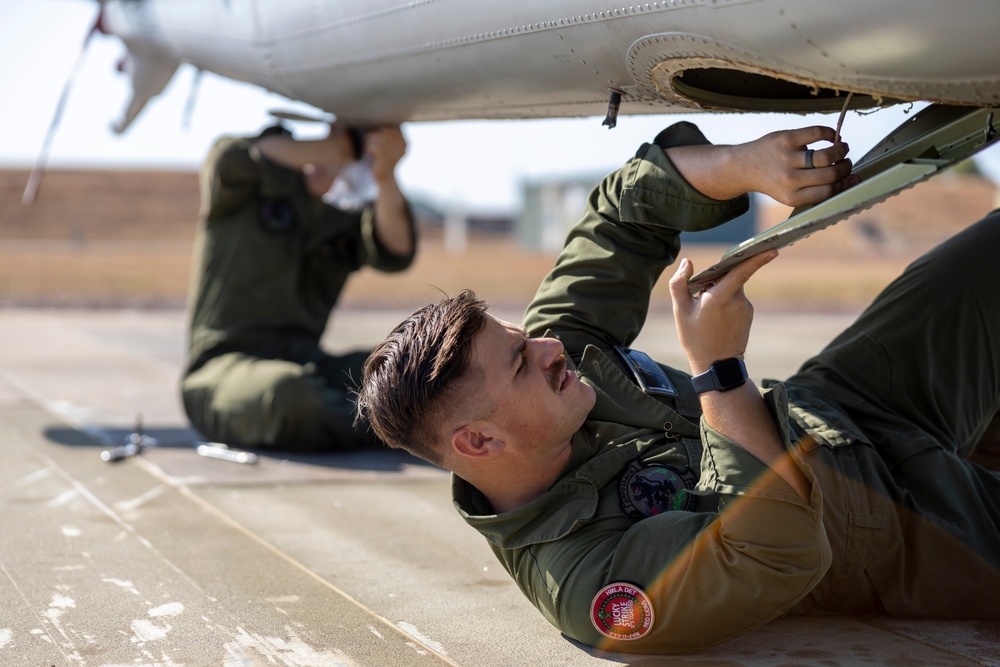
809, 158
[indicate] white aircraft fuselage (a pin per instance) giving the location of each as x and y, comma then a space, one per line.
377, 61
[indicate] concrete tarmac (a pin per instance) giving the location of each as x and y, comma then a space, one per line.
169, 558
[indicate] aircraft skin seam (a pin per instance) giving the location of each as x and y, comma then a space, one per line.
592, 18
808, 41
360, 18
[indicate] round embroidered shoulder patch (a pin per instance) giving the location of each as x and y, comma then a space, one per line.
648, 490
276, 216
622, 611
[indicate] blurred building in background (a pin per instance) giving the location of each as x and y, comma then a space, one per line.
553, 205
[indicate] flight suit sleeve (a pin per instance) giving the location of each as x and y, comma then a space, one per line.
376, 254
598, 292
690, 579
236, 171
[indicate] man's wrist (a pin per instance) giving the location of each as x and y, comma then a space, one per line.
722, 375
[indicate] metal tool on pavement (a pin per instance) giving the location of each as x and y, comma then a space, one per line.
135, 442
218, 450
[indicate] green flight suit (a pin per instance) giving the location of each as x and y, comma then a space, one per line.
271, 262
663, 536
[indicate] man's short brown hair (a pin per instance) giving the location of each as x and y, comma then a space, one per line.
417, 374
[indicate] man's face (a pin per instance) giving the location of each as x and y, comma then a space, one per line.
538, 401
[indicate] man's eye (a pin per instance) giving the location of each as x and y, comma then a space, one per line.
524, 363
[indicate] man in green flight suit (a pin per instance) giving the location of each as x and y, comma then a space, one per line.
648, 510
271, 259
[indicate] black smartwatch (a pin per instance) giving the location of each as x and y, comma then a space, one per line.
723, 375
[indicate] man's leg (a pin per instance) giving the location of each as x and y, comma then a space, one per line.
338, 377
928, 348
987, 451
919, 372
244, 400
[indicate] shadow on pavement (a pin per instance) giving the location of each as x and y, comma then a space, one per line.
368, 460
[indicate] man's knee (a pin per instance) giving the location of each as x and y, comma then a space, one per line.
271, 404
270, 407
986, 452
296, 399
308, 415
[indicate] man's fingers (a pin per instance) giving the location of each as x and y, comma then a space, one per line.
804, 136
821, 183
826, 157
679, 292
738, 276
387, 141
726, 286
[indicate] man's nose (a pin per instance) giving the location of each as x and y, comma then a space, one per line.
547, 351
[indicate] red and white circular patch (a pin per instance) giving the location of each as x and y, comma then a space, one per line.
622, 611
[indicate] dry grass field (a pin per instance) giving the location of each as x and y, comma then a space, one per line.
124, 238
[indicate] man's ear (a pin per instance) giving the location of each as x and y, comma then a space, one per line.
476, 440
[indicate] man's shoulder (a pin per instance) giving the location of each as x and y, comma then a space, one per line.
225, 148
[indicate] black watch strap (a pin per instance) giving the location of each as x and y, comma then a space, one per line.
723, 375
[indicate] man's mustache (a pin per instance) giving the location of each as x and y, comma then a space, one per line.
557, 371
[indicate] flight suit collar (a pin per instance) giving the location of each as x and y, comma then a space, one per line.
623, 423
620, 401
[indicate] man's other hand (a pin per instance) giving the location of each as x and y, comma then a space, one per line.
715, 323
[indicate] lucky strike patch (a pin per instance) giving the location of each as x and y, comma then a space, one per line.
622, 611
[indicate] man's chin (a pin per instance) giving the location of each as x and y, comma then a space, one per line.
590, 394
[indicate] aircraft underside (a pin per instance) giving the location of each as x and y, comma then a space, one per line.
385, 61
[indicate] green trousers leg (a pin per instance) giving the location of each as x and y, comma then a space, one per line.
919, 372
928, 348
246, 400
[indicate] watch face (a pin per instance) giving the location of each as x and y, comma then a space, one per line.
729, 373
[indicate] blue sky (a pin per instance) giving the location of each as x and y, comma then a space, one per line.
475, 164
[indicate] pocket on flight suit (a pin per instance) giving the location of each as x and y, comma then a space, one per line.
834, 446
